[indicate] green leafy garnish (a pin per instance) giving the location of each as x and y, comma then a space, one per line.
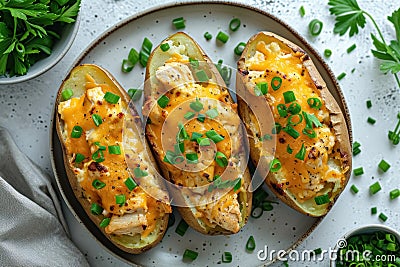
29, 29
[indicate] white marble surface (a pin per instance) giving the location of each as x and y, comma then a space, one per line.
25, 109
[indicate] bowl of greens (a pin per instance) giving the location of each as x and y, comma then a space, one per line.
34, 36
368, 245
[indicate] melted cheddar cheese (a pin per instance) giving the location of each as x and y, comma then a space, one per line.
140, 212
319, 172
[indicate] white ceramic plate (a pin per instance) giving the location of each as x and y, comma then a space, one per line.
282, 228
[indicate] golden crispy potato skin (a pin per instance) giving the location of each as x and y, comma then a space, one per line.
155, 87
298, 182
80, 80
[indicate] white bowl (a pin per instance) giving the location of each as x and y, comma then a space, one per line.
60, 48
365, 229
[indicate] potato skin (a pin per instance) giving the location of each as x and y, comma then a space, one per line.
337, 119
156, 60
75, 81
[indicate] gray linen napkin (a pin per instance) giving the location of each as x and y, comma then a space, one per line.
31, 221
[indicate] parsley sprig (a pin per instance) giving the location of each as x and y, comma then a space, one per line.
29, 29
350, 17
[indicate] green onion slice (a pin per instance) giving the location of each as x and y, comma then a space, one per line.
98, 156
289, 149
114, 150
201, 117
383, 217
202, 76
223, 37
147, 45
79, 158
163, 101
212, 113
250, 244
130, 183
194, 63
327, 53
282, 110
208, 36
139, 173
192, 158
213, 135
76, 131
369, 103
309, 132
120, 199
97, 119
314, 103
181, 228
291, 131
297, 117
383, 165
133, 56
104, 222
374, 210
179, 23
322, 199
195, 136
203, 141
221, 159
190, 255
135, 94
289, 97
261, 88
96, 209
239, 48
189, 115
111, 98
354, 189
197, 106
67, 94
276, 83
277, 128
371, 120
227, 257
234, 24
315, 27
97, 184
395, 193
275, 165
127, 66
341, 76
294, 108
302, 153
164, 47
302, 11
351, 48
358, 171
375, 188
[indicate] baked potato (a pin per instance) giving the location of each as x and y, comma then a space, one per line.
110, 169
304, 148
197, 137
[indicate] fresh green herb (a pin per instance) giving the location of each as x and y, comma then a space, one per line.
213, 135
327, 52
120, 199
67, 94
98, 156
341, 76
197, 106
315, 27
351, 48
383, 217
395, 193
358, 171
212, 113
221, 159
239, 48
311, 120
383, 165
190, 255
29, 29
291, 131
289, 97
97, 119
164, 47
114, 150
261, 88
250, 244
130, 183
195, 136
302, 153
104, 222
126, 66
374, 210
350, 17
276, 83
201, 117
322, 199
179, 23
227, 257
139, 173
181, 228
189, 115
111, 98
96, 209
354, 189
203, 141
356, 148
135, 94
192, 158
97, 184
202, 76
371, 120
234, 24
79, 158
163, 101
302, 11
375, 188
369, 103
208, 36
223, 37
394, 135
76, 131
145, 51
275, 165
133, 56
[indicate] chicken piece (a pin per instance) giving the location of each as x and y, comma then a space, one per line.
128, 224
173, 75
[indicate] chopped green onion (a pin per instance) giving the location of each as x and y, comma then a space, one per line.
302, 11
383, 217
267, 206
289, 97
341, 76
194, 63
275, 165
282, 110
100, 146
97, 119
227, 257
327, 53
375, 188
163, 101
239, 48
294, 108
374, 210
250, 244
302, 153
371, 120
289, 149
178, 159
291, 131
201, 117
315, 27
96, 209
120, 199
189, 115
98, 184
195, 136
190, 255
79, 158
181, 228
299, 120
203, 141
309, 132
202, 76
213, 135
179, 23
277, 128
311, 120
67, 94
104, 222
261, 89
276, 83
76, 131
394, 135
221, 159
318, 251
130, 183
351, 48
111, 98
266, 137
322, 199
256, 212
356, 148
359, 171
169, 157
143, 58
192, 158
383, 165
208, 36
395, 193
354, 189
114, 150
98, 156
147, 45
223, 37
369, 103
126, 66
196, 105
314, 103
135, 94
237, 183
212, 113
234, 24
133, 56
164, 47
139, 173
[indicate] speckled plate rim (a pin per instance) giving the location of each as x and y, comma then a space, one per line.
28, 76
100, 238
